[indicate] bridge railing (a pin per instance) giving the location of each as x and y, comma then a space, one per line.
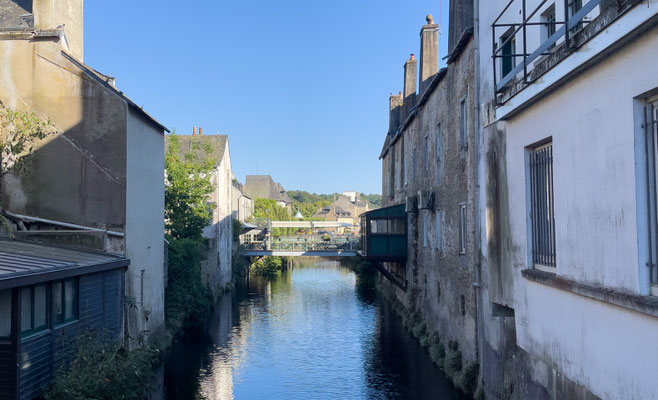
304, 243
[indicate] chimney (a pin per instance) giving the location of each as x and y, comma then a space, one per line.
193, 130
200, 131
409, 100
395, 105
429, 53
64, 15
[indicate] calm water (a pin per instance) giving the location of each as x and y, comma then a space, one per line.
311, 333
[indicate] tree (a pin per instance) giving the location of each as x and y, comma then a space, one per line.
20, 133
188, 186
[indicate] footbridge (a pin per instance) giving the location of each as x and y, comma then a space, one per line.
318, 241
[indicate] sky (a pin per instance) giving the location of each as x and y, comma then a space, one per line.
301, 88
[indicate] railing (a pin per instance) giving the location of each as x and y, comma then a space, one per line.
568, 25
306, 243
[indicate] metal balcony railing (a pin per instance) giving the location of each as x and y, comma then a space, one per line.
567, 27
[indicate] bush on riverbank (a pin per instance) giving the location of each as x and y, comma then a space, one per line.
187, 300
269, 266
103, 369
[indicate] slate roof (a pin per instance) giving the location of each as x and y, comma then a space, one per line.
26, 263
263, 187
215, 144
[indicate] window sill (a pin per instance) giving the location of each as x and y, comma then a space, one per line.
642, 304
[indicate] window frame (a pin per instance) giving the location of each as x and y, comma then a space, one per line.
650, 135
541, 206
463, 123
43, 328
508, 57
75, 301
462, 228
549, 18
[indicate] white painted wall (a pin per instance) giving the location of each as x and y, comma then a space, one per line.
145, 224
610, 350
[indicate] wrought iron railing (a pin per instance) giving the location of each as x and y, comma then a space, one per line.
568, 25
306, 243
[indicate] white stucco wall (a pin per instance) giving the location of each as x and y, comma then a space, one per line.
145, 224
610, 350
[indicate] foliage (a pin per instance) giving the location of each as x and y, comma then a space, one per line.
103, 370
269, 209
375, 200
187, 210
237, 230
187, 300
20, 132
268, 266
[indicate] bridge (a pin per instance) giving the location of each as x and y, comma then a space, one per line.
312, 244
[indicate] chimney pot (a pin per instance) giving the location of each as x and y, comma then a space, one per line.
200, 131
193, 130
412, 56
429, 19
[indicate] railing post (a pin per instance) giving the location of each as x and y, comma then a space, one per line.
567, 40
525, 46
493, 57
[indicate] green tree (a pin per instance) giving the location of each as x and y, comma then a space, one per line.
269, 209
188, 185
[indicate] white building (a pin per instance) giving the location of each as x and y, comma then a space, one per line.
568, 198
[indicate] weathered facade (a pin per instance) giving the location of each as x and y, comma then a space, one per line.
242, 205
568, 199
263, 187
216, 268
98, 182
428, 162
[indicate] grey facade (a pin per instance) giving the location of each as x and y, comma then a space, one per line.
263, 187
428, 159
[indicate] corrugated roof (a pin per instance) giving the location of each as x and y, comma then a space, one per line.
26, 263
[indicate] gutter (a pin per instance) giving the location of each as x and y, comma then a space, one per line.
62, 224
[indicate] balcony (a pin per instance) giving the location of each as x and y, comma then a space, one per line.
384, 234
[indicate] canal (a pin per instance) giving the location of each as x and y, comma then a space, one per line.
312, 332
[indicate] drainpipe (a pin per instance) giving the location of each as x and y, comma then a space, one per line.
479, 309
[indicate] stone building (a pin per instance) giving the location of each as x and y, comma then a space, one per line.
428, 163
347, 208
216, 268
242, 205
263, 187
98, 182
567, 166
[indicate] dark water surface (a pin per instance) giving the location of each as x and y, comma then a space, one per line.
310, 333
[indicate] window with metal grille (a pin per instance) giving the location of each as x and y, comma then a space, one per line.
548, 29
463, 127
652, 182
542, 206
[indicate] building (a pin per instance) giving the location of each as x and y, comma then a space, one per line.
216, 268
568, 198
242, 205
429, 170
48, 296
347, 208
263, 187
97, 184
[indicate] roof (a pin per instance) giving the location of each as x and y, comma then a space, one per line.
103, 80
263, 187
26, 263
216, 144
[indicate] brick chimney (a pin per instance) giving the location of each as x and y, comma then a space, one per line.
395, 106
429, 53
409, 100
194, 131
200, 131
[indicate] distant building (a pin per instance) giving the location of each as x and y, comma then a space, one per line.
242, 205
96, 185
347, 208
263, 187
216, 268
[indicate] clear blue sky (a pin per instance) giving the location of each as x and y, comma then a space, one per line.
300, 87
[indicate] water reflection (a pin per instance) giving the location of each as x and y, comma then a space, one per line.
310, 333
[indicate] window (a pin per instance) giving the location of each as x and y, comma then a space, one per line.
427, 154
463, 125
508, 42
34, 309
548, 27
439, 154
414, 164
5, 313
65, 301
437, 233
462, 229
391, 172
426, 224
542, 206
574, 6
651, 143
